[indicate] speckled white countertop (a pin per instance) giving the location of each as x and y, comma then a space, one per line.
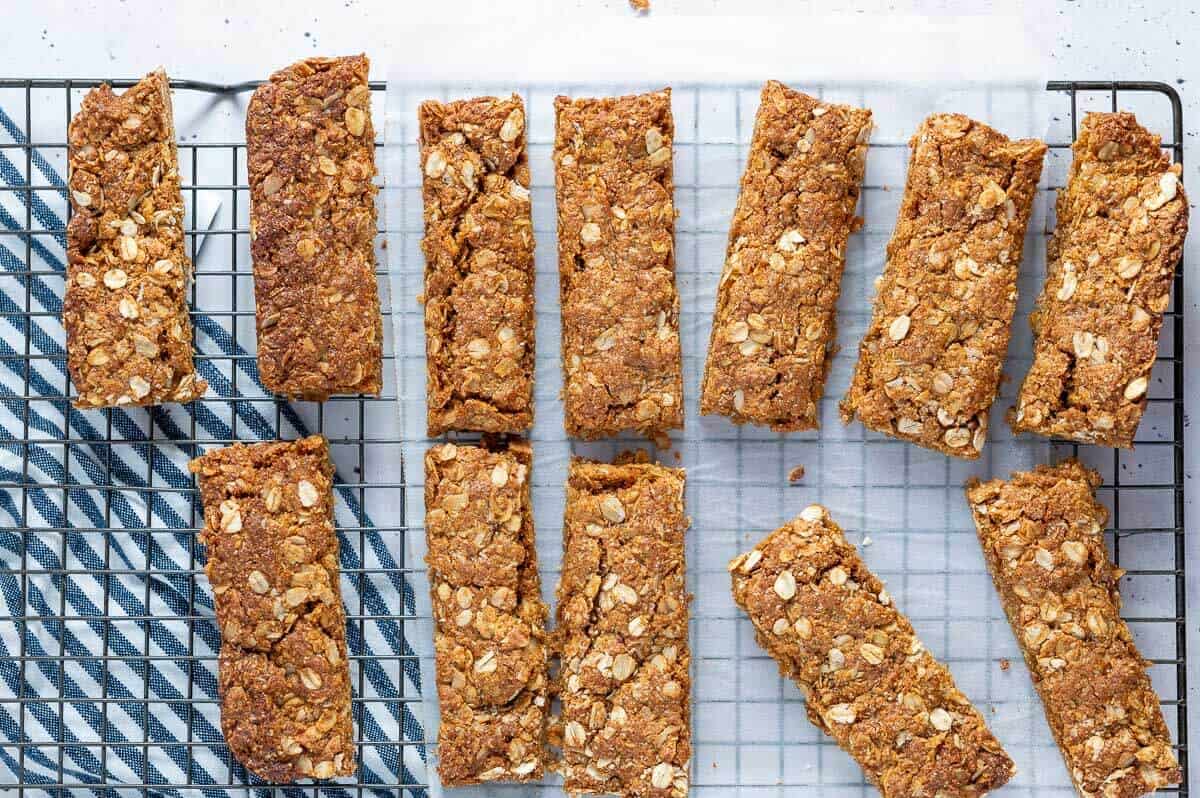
216, 40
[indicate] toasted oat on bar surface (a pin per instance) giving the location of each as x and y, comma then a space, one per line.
929, 365
490, 636
1043, 537
311, 159
479, 314
869, 682
272, 551
1122, 219
616, 261
774, 327
129, 337
622, 636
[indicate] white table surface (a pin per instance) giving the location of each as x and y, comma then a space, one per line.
216, 40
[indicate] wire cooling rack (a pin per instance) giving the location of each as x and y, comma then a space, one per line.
107, 640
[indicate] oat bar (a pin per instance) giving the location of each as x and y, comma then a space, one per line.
272, 562
869, 682
774, 326
490, 638
622, 636
129, 338
1042, 535
478, 244
310, 151
1121, 223
930, 363
616, 261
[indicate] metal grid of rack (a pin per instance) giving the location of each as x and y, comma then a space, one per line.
108, 641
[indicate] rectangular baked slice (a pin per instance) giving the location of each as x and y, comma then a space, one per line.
310, 156
774, 326
1122, 219
929, 365
490, 623
622, 636
272, 561
129, 337
1042, 533
616, 261
869, 682
479, 275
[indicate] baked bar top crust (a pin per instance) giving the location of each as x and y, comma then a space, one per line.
774, 326
1122, 220
311, 161
479, 270
1042, 534
490, 635
616, 260
129, 337
869, 682
929, 366
622, 636
272, 561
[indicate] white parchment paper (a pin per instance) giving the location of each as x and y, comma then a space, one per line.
903, 505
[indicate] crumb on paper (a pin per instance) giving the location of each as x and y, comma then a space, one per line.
796, 474
634, 456
1005, 664
640, 5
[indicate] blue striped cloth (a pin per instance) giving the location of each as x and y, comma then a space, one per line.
96, 683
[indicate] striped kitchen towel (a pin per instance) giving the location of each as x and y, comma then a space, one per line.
107, 638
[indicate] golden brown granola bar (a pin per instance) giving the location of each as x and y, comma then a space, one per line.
616, 261
310, 150
869, 682
774, 327
929, 365
129, 338
479, 317
1121, 223
622, 636
273, 565
490, 636
1043, 537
